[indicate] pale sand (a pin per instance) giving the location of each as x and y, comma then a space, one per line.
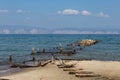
51, 72
110, 69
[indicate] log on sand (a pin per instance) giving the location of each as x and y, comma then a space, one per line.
4, 79
71, 69
45, 63
65, 66
87, 75
80, 72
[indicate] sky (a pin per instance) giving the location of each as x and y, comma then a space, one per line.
60, 16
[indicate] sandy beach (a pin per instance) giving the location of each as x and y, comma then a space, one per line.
108, 70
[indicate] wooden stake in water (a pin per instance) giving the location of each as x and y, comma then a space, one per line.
44, 50
33, 57
10, 59
33, 51
38, 50
61, 50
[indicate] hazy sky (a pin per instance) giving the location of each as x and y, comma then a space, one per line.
83, 15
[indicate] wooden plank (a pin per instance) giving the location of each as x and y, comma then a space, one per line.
66, 66
45, 63
86, 75
80, 72
71, 69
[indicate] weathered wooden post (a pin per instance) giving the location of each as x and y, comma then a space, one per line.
43, 50
10, 59
38, 50
53, 59
33, 52
61, 50
39, 62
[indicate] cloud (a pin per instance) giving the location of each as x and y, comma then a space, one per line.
4, 11
69, 12
85, 13
22, 11
101, 14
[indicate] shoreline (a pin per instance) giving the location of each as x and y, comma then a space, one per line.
109, 69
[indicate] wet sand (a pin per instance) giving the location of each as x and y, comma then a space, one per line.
107, 69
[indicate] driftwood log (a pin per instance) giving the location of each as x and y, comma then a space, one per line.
71, 69
45, 63
4, 79
87, 75
80, 72
66, 66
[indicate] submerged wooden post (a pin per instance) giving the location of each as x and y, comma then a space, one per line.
61, 50
33, 51
33, 57
10, 59
38, 50
43, 50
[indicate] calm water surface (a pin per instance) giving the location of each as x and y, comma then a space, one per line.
19, 45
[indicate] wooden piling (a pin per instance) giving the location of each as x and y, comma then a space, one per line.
33, 51
33, 57
53, 59
10, 59
61, 50
80, 72
38, 50
43, 50
86, 75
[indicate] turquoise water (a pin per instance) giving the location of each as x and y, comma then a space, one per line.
20, 45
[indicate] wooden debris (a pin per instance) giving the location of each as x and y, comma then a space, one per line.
33, 51
45, 63
86, 75
10, 59
65, 66
26, 65
71, 69
80, 72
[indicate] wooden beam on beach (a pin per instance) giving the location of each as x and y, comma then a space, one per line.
87, 75
71, 69
80, 72
65, 66
45, 63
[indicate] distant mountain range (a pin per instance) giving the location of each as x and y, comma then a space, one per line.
19, 29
